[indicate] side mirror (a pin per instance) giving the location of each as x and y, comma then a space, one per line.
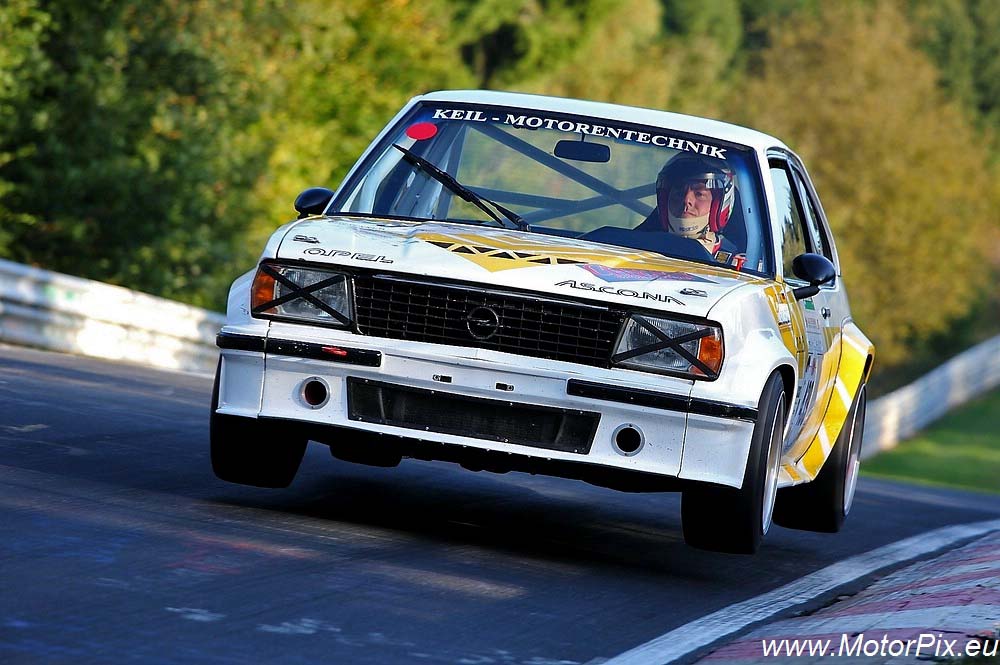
313, 201
816, 270
581, 151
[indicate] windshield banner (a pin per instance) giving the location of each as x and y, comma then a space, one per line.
590, 129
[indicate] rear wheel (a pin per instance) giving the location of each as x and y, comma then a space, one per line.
249, 451
727, 519
823, 504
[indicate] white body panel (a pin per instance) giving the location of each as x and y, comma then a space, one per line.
703, 448
409, 247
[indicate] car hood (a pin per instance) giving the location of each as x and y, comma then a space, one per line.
512, 259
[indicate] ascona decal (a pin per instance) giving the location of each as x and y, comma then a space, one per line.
590, 129
628, 293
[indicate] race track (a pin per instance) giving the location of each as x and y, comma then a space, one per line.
119, 545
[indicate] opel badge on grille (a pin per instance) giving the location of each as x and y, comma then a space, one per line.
482, 322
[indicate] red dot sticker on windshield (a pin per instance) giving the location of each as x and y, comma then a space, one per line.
421, 131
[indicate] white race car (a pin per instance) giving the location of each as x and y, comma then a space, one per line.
641, 300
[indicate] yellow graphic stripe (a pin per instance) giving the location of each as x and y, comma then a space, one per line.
789, 320
854, 350
505, 251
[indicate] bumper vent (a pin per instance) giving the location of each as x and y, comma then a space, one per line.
491, 420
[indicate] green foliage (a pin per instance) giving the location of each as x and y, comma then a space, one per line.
121, 153
22, 67
962, 37
719, 21
505, 41
623, 60
948, 35
761, 17
903, 176
986, 59
338, 71
962, 450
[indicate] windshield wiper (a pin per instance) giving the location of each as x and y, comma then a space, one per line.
462, 191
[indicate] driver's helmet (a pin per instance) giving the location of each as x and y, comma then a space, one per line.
704, 176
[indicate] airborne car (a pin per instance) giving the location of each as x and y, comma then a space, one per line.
641, 300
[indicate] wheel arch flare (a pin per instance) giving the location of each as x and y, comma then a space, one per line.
857, 354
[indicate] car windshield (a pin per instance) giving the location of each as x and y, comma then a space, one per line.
650, 188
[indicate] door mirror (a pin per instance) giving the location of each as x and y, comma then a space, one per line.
313, 201
815, 269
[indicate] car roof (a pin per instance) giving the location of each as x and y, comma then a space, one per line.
675, 121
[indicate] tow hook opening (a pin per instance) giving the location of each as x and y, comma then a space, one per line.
315, 393
628, 439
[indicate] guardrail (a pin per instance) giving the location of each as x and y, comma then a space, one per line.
54, 311
62, 313
904, 412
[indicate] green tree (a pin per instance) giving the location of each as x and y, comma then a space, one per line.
963, 38
504, 42
336, 73
122, 158
903, 175
763, 17
986, 58
667, 54
619, 58
23, 67
945, 30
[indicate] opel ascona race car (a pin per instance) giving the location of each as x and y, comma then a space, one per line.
641, 300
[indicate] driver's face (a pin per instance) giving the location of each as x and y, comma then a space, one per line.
690, 199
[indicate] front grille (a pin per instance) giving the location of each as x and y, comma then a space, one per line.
382, 403
443, 313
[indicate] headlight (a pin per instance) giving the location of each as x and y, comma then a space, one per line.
671, 347
304, 294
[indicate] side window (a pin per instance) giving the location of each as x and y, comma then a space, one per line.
790, 227
818, 242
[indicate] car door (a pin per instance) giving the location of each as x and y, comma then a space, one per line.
811, 317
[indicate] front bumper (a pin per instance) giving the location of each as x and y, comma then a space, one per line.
461, 397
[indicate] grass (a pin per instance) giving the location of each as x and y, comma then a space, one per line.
960, 450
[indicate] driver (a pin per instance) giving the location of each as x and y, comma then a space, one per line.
695, 196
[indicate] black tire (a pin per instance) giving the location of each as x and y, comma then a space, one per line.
823, 504
726, 519
252, 452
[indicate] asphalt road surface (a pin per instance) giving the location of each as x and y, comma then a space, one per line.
119, 545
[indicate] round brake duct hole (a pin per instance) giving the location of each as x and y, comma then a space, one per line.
628, 439
315, 393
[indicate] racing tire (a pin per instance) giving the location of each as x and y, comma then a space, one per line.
734, 520
249, 451
823, 504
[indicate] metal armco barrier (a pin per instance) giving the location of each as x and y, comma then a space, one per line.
53, 311
904, 412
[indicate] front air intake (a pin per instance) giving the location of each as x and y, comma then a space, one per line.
461, 315
382, 403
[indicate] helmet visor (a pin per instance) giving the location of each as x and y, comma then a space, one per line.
711, 180
690, 197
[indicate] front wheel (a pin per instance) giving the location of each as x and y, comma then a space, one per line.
823, 504
249, 451
727, 519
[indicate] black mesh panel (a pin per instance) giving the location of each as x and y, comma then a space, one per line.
440, 313
493, 420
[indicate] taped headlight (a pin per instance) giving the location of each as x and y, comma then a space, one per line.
683, 348
304, 294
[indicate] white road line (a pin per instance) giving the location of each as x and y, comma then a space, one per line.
704, 631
